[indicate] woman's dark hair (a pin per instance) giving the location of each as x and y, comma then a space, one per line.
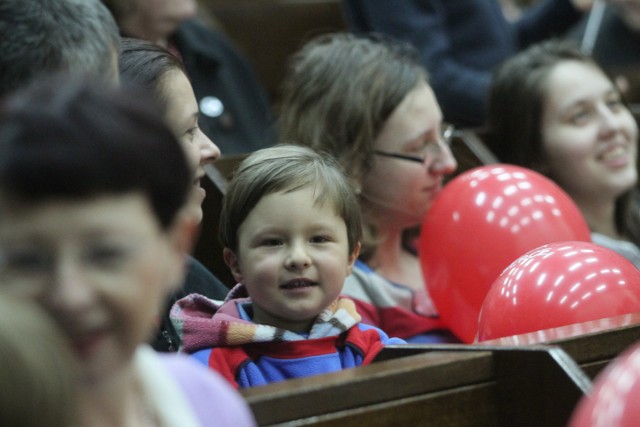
69, 139
145, 64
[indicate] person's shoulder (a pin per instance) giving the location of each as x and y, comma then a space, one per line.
211, 396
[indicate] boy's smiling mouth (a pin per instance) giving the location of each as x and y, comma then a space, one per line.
298, 283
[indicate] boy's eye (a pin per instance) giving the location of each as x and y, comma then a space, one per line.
319, 239
271, 242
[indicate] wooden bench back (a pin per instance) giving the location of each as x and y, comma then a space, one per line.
493, 384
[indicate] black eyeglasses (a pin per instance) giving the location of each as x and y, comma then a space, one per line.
430, 149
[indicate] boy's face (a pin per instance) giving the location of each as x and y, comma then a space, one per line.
293, 258
101, 267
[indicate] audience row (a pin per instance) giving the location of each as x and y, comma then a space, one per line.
100, 192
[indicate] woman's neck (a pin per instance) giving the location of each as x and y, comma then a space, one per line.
393, 262
600, 217
118, 402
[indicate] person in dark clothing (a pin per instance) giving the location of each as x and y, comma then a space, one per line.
460, 42
611, 34
234, 108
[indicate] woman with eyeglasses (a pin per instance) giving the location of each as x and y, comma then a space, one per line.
553, 109
366, 101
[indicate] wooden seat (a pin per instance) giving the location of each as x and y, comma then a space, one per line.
492, 384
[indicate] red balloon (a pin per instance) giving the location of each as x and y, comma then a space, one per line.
482, 221
556, 285
613, 401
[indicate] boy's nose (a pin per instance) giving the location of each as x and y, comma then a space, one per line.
298, 257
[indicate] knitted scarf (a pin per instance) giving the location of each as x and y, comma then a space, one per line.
204, 323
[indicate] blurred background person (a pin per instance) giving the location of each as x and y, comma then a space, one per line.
461, 42
234, 109
611, 34
554, 110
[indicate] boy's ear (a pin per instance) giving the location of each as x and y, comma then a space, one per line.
353, 257
231, 260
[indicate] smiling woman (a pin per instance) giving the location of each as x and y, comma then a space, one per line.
97, 158
554, 110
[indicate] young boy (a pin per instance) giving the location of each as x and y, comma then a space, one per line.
291, 229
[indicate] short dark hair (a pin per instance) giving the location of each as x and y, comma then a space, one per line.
79, 139
288, 168
44, 36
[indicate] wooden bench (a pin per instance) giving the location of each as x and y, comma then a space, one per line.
492, 384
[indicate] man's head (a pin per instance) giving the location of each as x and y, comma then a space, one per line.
44, 36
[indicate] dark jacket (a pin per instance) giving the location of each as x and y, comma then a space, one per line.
234, 109
616, 45
460, 42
